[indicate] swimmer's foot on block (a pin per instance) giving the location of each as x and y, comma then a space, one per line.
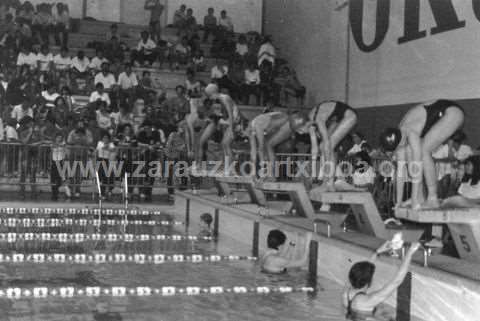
434, 243
431, 204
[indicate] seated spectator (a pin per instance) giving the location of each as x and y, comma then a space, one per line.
123, 117
145, 85
292, 87
267, 52
180, 18
97, 61
60, 113
62, 61
358, 142
241, 48
144, 55
11, 135
461, 152
26, 33
26, 58
192, 85
23, 110
252, 83
225, 23
16, 90
468, 194
198, 61
106, 78
50, 95
100, 94
114, 50
219, 74
80, 65
364, 173
112, 33
181, 54
195, 43
69, 100
138, 115
45, 60
43, 24
209, 24
62, 24
127, 79
103, 116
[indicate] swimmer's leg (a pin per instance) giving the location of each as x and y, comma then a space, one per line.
207, 133
437, 135
281, 135
227, 142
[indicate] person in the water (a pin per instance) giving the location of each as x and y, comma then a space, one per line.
206, 220
278, 257
360, 301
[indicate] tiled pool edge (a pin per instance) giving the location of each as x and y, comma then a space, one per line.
436, 295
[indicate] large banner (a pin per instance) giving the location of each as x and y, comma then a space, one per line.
406, 51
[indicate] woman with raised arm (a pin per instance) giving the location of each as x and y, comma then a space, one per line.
358, 298
422, 130
333, 121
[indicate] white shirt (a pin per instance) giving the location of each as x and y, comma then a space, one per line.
103, 121
108, 81
357, 148
146, 46
18, 112
45, 61
226, 23
103, 150
80, 65
50, 98
266, 52
96, 96
127, 81
463, 152
442, 168
218, 72
11, 133
364, 178
96, 63
252, 77
2, 130
241, 49
62, 63
468, 191
30, 59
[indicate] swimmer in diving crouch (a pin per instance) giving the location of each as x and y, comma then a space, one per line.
278, 257
422, 130
358, 298
266, 131
333, 121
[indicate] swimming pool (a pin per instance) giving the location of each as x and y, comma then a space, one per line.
323, 305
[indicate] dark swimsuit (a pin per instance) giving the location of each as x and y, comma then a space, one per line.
435, 112
354, 315
338, 113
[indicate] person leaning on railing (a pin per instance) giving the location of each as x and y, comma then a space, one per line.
175, 151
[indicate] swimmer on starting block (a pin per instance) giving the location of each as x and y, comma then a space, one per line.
333, 121
266, 131
228, 122
422, 130
359, 300
278, 257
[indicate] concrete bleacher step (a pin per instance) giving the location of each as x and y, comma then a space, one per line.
169, 79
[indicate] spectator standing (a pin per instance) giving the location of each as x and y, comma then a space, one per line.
105, 148
180, 18
149, 138
156, 10
225, 23
252, 83
267, 52
198, 61
176, 150
358, 142
241, 48
62, 24
209, 24
59, 153
43, 23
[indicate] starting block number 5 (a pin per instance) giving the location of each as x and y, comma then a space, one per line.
466, 242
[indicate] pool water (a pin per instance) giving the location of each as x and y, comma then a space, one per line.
324, 305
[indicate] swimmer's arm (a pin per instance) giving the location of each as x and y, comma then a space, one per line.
313, 142
229, 106
327, 146
401, 157
259, 135
375, 298
190, 132
304, 260
253, 146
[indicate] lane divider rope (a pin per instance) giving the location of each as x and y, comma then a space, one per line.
142, 291
78, 211
58, 222
110, 237
99, 258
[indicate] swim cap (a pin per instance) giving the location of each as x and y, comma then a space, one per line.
211, 89
390, 139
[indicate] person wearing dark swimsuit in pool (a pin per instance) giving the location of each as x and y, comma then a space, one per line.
333, 121
359, 300
266, 131
277, 259
422, 130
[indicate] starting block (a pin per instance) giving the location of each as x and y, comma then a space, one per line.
247, 182
463, 223
300, 201
366, 214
